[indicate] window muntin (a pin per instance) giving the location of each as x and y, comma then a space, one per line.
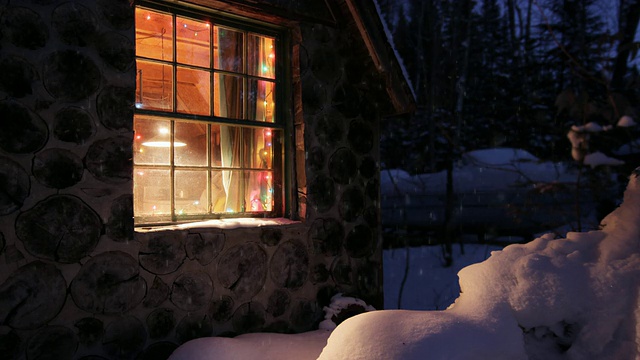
154, 85
208, 141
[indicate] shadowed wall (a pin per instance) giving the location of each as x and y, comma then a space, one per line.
77, 280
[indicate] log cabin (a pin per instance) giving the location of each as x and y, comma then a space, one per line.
179, 169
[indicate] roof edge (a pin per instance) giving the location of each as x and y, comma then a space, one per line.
374, 32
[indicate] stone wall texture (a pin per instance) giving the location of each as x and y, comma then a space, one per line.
76, 279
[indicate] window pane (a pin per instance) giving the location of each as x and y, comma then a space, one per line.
191, 192
154, 34
227, 191
227, 52
259, 191
216, 152
258, 150
194, 136
151, 145
228, 96
192, 41
154, 90
218, 193
193, 91
151, 192
228, 147
261, 100
261, 58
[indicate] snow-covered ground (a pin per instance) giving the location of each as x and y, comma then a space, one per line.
576, 297
428, 284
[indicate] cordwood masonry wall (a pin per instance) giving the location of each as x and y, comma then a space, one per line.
76, 280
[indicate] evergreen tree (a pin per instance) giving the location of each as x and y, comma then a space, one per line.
490, 101
495, 77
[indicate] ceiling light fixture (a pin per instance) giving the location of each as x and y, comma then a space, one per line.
157, 141
161, 141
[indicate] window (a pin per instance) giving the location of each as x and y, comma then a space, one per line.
209, 136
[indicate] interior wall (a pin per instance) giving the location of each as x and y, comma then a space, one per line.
77, 280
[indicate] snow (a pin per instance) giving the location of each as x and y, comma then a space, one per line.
588, 127
626, 121
258, 346
576, 297
483, 182
598, 158
425, 266
339, 303
389, 37
231, 223
579, 139
571, 298
629, 148
501, 156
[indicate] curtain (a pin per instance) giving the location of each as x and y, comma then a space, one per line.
230, 142
230, 95
238, 145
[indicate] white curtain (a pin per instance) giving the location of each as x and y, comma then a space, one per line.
227, 159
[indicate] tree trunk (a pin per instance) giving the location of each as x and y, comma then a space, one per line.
627, 29
512, 24
434, 54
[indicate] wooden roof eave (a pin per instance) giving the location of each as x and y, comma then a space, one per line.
368, 21
264, 11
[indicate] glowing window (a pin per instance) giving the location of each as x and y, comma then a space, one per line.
208, 135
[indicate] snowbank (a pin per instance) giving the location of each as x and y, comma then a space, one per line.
264, 346
572, 298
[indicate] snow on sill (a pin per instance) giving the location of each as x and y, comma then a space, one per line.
221, 224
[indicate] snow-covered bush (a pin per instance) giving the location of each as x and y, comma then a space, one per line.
341, 308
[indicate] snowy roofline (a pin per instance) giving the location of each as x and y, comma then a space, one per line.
389, 37
376, 36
